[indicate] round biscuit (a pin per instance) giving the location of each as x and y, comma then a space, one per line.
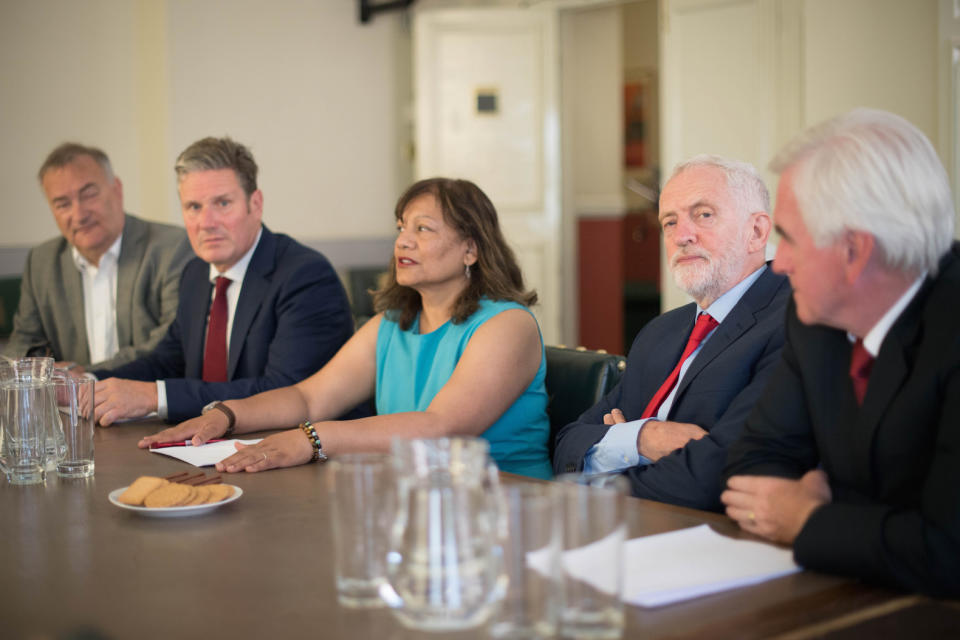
219, 492
169, 495
140, 489
200, 496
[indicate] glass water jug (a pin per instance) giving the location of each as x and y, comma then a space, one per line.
444, 564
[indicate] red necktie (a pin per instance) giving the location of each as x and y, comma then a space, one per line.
215, 353
705, 324
861, 363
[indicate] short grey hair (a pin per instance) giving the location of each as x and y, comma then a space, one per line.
211, 154
873, 171
743, 180
67, 152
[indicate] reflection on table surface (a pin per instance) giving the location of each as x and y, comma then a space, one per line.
261, 567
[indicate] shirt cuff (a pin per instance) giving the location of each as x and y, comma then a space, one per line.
617, 450
161, 399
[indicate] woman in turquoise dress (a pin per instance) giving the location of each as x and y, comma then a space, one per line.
453, 351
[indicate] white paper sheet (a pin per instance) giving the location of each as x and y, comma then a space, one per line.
206, 455
678, 565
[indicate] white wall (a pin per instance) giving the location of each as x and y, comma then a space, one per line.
67, 71
808, 60
310, 90
592, 70
872, 53
313, 92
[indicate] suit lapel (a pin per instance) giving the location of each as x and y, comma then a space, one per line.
836, 408
256, 283
126, 276
73, 298
661, 359
740, 319
195, 307
890, 371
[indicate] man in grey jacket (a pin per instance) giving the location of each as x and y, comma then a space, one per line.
105, 292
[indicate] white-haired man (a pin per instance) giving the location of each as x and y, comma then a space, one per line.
852, 454
694, 373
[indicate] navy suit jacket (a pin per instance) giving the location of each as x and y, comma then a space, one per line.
717, 393
893, 464
292, 316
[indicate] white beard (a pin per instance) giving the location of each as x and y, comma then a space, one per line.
712, 277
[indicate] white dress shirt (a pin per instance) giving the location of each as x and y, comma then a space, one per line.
100, 301
618, 448
874, 338
236, 273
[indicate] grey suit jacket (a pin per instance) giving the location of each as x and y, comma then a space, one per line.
50, 318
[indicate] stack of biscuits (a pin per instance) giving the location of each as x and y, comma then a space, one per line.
180, 490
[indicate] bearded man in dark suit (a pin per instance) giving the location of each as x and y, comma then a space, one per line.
694, 373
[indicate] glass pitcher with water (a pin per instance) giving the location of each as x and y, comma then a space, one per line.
31, 434
444, 565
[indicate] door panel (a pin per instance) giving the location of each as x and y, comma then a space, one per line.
486, 94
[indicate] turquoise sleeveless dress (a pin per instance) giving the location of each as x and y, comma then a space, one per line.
412, 368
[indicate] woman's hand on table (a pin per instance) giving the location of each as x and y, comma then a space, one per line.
286, 449
199, 430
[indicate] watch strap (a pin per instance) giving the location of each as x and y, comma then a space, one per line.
227, 411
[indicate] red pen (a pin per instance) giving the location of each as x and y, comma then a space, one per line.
185, 443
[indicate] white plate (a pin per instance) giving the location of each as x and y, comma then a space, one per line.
174, 512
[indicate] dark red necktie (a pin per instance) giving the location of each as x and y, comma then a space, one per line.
215, 353
861, 363
705, 324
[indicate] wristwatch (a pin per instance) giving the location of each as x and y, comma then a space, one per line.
231, 416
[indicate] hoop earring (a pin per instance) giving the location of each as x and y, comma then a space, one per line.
466, 271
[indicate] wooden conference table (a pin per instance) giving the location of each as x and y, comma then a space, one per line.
72, 565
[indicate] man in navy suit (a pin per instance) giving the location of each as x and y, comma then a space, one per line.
278, 312
693, 373
852, 454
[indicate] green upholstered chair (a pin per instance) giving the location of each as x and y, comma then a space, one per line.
576, 380
9, 299
361, 281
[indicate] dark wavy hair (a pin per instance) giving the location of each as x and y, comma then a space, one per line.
494, 275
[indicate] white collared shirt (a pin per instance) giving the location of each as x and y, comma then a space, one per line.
618, 447
236, 273
874, 338
100, 301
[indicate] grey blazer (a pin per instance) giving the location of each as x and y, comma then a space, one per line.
50, 318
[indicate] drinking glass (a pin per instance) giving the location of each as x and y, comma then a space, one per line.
74, 404
361, 497
531, 603
594, 531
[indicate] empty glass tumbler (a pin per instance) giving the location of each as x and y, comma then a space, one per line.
74, 408
361, 510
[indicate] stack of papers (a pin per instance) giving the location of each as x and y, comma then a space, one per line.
676, 566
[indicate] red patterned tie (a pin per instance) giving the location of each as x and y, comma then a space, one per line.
705, 324
215, 353
861, 363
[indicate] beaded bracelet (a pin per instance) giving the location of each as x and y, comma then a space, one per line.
314, 441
